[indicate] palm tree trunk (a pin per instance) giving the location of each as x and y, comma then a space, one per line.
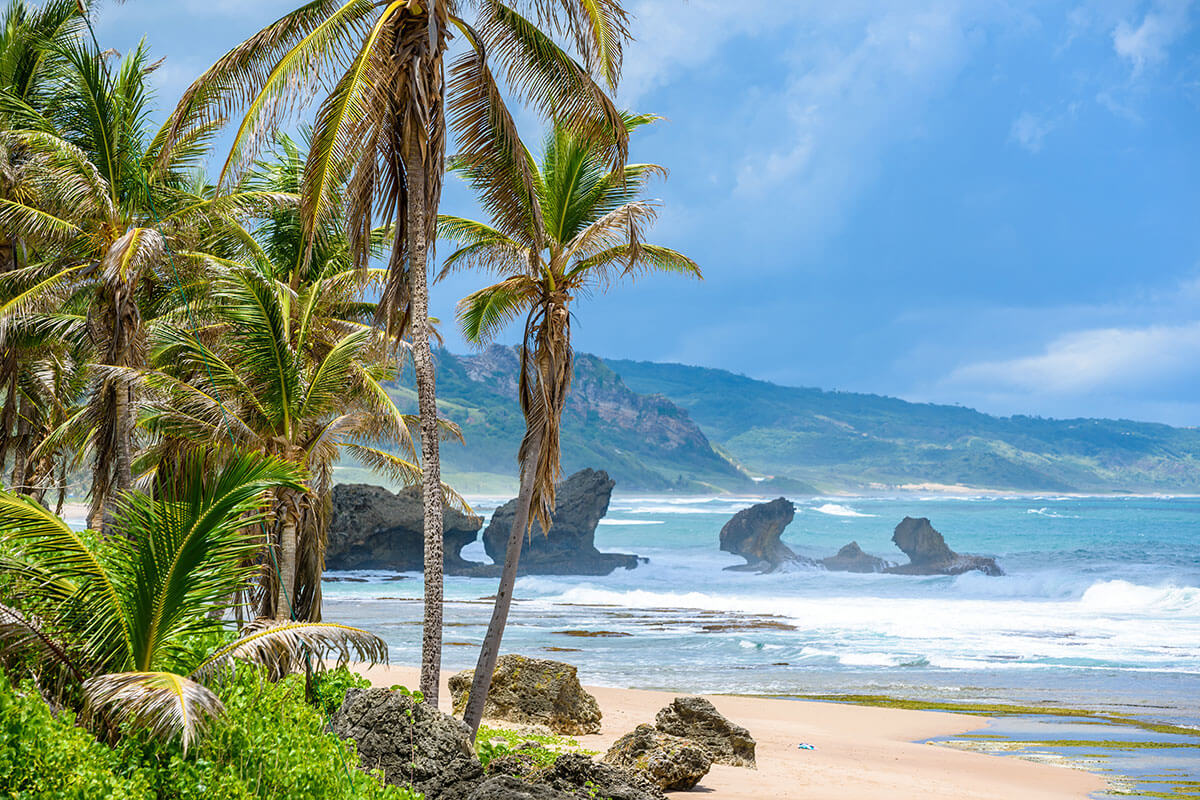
123, 461
431, 644
289, 529
21, 454
8, 416
490, 651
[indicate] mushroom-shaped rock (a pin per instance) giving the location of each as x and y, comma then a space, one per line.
533, 691
410, 742
697, 719
753, 533
671, 762
373, 528
568, 548
928, 553
851, 558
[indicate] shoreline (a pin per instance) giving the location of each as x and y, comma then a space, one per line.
862, 752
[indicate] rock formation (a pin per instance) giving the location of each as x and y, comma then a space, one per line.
533, 691
579, 776
672, 763
373, 528
753, 533
851, 558
507, 787
569, 549
411, 742
928, 553
696, 719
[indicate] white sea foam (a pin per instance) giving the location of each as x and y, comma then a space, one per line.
1129, 597
838, 510
1045, 512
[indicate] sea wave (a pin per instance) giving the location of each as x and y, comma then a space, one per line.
838, 510
632, 522
1045, 512
1118, 595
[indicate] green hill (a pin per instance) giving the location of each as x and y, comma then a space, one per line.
675, 428
844, 440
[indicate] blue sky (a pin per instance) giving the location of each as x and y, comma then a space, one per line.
989, 203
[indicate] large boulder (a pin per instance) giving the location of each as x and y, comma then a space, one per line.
753, 533
569, 548
928, 553
533, 691
587, 778
851, 558
373, 528
413, 744
507, 787
671, 762
697, 720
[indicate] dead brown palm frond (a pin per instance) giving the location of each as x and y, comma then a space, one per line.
284, 647
165, 704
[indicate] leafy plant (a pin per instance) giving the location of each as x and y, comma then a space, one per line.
330, 687
43, 755
115, 622
540, 750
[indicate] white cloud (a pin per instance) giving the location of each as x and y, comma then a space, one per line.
1081, 362
1029, 131
1146, 43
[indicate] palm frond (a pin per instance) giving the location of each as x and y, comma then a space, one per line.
165, 704
284, 647
483, 314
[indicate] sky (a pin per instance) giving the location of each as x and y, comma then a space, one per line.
989, 203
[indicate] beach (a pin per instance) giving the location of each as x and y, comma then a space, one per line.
860, 752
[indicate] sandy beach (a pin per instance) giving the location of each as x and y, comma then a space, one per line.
861, 752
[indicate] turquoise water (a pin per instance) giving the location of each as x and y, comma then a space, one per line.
1100, 609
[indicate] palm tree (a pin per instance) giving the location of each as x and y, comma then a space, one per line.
125, 624
29, 37
285, 363
109, 205
593, 224
384, 126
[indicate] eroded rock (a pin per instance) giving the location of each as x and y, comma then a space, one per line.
373, 528
413, 744
928, 553
753, 533
851, 558
533, 691
586, 777
671, 762
569, 548
697, 720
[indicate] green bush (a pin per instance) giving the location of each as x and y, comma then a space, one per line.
270, 744
47, 756
330, 686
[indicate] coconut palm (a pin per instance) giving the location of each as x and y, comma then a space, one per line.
591, 236
284, 362
108, 206
29, 36
384, 126
125, 624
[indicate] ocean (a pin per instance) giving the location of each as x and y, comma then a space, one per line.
1099, 612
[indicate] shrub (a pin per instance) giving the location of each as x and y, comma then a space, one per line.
271, 743
47, 756
330, 687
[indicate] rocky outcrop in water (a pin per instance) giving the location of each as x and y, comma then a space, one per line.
851, 558
697, 719
533, 691
928, 553
569, 548
410, 742
373, 528
672, 763
753, 533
